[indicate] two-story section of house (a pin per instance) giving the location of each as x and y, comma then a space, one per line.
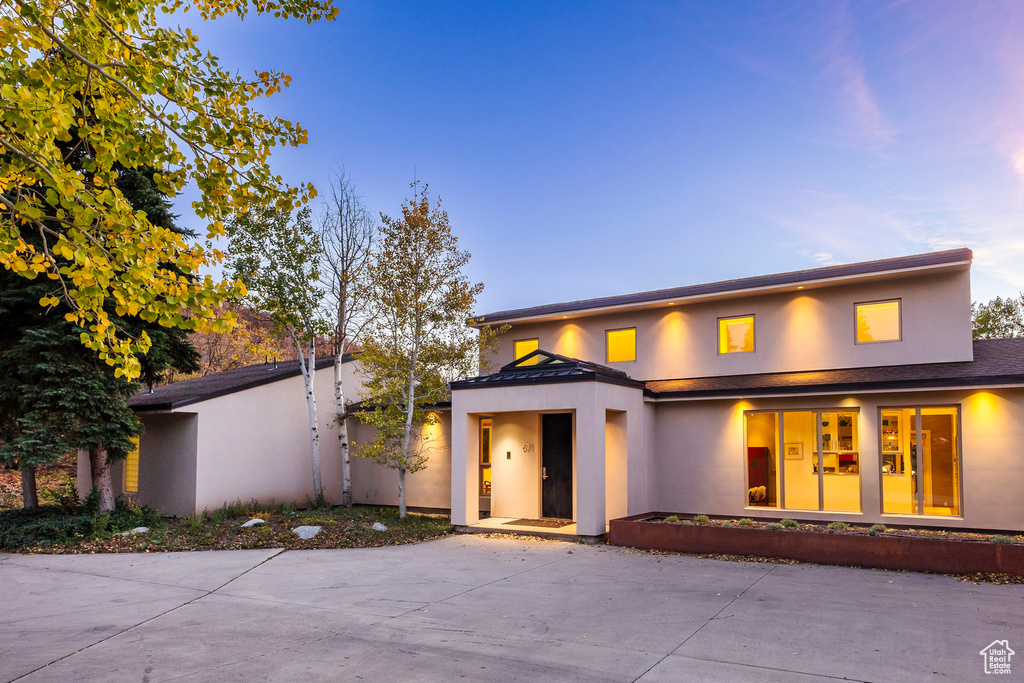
850, 392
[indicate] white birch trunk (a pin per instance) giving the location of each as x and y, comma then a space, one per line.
410, 409
342, 420
308, 366
401, 492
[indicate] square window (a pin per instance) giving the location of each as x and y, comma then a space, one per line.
525, 347
621, 345
736, 335
878, 321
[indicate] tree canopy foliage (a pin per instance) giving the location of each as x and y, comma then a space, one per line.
277, 257
418, 340
347, 233
134, 93
56, 395
999, 318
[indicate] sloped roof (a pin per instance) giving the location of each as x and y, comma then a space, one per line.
996, 361
917, 261
170, 396
544, 367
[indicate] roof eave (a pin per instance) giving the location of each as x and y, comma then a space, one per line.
675, 296
845, 387
556, 379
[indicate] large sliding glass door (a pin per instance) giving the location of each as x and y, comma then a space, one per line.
921, 460
820, 461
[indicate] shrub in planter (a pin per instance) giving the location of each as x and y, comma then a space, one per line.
746, 521
837, 526
701, 519
774, 526
1002, 540
789, 523
878, 528
672, 518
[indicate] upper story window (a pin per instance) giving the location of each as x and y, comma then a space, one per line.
878, 321
620, 345
524, 347
736, 335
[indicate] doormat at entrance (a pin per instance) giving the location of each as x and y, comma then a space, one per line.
549, 523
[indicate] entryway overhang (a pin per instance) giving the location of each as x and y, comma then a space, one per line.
606, 431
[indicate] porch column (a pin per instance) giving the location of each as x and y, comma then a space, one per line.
465, 499
590, 468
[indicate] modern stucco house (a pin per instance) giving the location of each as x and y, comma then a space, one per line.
850, 392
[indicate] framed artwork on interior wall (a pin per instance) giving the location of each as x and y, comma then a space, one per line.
794, 451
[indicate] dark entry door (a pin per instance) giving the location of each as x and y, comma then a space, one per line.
556, 458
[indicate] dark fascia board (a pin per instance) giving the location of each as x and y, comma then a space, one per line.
901, 263
199, 397
951, 383
556, 379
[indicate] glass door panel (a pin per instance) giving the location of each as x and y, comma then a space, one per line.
841, 461
899, 454
763, 460
799, 455
940, 461
485, 456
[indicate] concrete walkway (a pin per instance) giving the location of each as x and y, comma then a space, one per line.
488, 609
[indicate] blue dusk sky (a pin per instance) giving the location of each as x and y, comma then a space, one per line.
595, 148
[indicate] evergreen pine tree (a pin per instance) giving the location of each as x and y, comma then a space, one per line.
56, 396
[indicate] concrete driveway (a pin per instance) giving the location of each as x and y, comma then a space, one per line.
491, 610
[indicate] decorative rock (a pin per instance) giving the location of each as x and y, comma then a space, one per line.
136, 530
306, 532
377, 526
253, 522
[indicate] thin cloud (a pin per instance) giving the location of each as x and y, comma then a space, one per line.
843, 61
827, 227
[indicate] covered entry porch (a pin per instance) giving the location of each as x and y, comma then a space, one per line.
546, 445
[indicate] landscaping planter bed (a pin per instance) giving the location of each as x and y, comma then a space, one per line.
854, 547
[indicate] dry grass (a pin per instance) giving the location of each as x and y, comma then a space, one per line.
49, 480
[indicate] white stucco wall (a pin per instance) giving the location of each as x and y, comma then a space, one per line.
812, 329
616, 473
515, 472
255, 444
699, 457
167, 481
430, 488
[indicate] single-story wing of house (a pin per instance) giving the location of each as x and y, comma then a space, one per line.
852, 392
244, 435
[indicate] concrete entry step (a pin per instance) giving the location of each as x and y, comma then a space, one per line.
500, 525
